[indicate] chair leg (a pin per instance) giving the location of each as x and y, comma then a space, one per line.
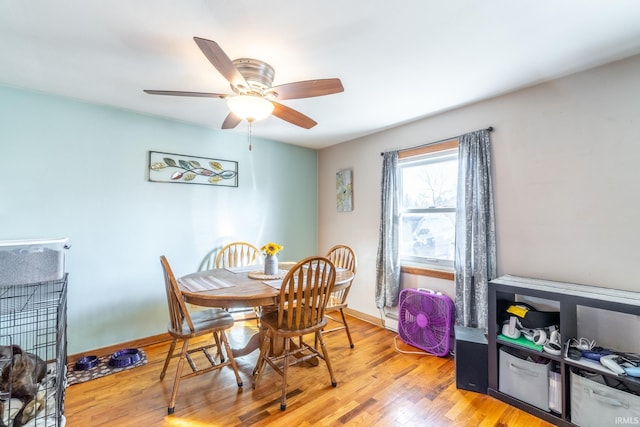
346, 327
166, 361
176, 382
232, 361
217, 340
326, 358
285, 368
264, 352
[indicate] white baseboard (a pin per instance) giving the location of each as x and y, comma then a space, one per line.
390, 320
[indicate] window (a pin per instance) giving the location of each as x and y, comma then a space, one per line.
428, 189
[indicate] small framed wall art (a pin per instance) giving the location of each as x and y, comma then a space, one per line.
344, 191
183, 169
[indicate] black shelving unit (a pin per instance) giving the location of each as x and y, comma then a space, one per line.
504, 290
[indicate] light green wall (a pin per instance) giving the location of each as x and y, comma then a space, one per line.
77, 170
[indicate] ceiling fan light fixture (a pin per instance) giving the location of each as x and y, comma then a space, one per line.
250, 107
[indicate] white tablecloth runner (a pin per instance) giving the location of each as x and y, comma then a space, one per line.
203, 283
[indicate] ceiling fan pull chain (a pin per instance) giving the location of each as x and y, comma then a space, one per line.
250, 134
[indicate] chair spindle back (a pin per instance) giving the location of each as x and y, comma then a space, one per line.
238, 254
304, 293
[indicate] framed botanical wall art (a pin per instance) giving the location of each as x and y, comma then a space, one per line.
344, 191
184, 169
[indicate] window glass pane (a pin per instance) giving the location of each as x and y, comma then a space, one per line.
430, 184
428, 235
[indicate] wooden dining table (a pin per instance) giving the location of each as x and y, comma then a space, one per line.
234, 288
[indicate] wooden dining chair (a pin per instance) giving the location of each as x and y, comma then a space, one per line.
184, 326
238, 254
342, 256
304, 294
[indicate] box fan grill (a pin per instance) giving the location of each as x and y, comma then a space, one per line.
426, 320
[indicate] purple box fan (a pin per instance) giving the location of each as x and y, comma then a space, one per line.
426, 319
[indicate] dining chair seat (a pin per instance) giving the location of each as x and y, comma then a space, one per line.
183, 326
203, 322
270, 320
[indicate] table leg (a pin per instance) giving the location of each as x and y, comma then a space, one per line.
254, 342
252, 345
277, 346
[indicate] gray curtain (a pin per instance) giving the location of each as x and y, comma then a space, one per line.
475, 255
388, 260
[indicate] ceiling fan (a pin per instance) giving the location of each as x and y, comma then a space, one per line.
253, 96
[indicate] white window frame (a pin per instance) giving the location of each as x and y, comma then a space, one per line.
444, 150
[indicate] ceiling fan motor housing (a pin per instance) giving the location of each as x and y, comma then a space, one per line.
258, 74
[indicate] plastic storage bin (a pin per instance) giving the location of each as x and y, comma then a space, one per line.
595, 404
31, 261
524, 380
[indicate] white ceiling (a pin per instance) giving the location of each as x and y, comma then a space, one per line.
398, 60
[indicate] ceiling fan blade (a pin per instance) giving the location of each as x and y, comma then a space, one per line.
221, 62
231, 121
181, 93
292, 116
308, 88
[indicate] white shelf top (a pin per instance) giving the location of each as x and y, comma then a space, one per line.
565, 288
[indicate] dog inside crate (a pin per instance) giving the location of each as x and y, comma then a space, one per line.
32, 347
23, 381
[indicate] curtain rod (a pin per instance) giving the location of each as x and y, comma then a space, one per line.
489, 129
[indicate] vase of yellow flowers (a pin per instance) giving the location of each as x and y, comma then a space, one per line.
271, 258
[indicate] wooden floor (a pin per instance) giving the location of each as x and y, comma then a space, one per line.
377, 386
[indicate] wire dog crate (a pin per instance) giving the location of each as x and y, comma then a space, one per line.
33, 316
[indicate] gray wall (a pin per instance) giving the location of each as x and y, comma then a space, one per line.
75, 170
565, 159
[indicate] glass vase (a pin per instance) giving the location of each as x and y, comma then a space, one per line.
271, 265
